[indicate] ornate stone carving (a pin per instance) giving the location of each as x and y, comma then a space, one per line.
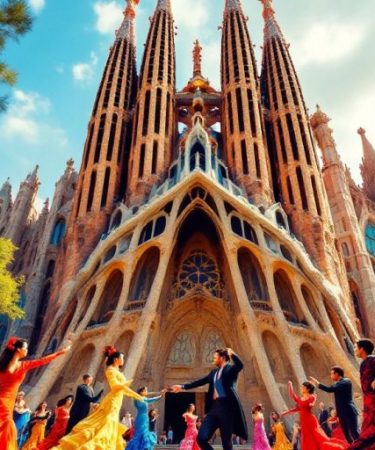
213, 341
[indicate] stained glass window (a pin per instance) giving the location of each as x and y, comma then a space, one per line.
198, 272
370, 238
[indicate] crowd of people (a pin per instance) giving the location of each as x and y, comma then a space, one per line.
87, 422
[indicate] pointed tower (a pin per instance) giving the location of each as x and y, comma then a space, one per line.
294, 161
152, 147
103, 175
5, 201
368, 166
23, 211
242, 117
347, 227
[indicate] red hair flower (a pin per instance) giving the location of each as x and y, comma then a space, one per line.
109, 351
11, 342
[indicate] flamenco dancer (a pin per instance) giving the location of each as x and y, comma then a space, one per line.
260, 440
102, 429
143, 438
189, 442
312, 435
364, 349
346, 410
38, 424
62, 414
281, 440
224, 408
12, 373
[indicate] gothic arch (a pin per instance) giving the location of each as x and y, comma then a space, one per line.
41, 312
252, 276
58, 232
79, 364
287, 298
144, 275
86, 303
124, 341
109, 298
358, 308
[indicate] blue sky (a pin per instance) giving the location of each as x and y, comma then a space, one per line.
61, 61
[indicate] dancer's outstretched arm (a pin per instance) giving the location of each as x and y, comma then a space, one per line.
291, 392
35, 363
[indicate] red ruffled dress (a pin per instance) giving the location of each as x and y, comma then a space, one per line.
312, 435
9, 386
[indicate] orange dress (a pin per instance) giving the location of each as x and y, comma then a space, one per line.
9, 386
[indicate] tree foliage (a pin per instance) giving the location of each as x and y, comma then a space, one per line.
9, 285
15, 20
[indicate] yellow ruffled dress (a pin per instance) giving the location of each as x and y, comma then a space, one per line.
36, 436
281, 440
102, 429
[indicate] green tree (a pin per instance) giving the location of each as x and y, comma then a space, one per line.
9, 285
15, 20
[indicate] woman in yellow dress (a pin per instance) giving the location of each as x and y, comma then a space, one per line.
281, 440
38, 423
102, 428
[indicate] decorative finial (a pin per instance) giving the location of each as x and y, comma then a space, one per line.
197, 59
126, 30
268, 11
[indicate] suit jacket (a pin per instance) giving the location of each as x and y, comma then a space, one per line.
81, 406
229, 378
343, 392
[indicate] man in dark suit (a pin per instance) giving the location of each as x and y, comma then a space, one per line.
224, 410
83, 399
323, 417
346, 410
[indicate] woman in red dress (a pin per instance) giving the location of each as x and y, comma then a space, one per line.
335, 426
190, 440
12, 373
312, 435
62, 414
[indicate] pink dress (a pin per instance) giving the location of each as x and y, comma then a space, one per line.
190, 440
260, 440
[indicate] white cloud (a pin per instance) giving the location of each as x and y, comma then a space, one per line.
37, 5
84, 71
108, 16
39, 204
327, 42
186, 18
27, 120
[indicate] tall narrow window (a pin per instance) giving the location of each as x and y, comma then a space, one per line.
245, 164
282, 140
146, 113
290, 191
112, 136
241, 123
316, 196
230, 112
304, 139
257, 162
252, 113
105, 187
99, 139
302, 189
91, 191
157, 110
292, 137
142, 161
88, 145
154, 157
168, 113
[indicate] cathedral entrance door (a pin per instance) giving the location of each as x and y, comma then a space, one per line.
175, 406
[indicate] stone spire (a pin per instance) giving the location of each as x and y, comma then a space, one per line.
103, 175
368, 166
242, 115
164, 4
32, 177
296, 174
154, 125
197, 59
271, 27
127, 28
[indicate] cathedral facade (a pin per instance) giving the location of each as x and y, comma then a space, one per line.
200, 218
